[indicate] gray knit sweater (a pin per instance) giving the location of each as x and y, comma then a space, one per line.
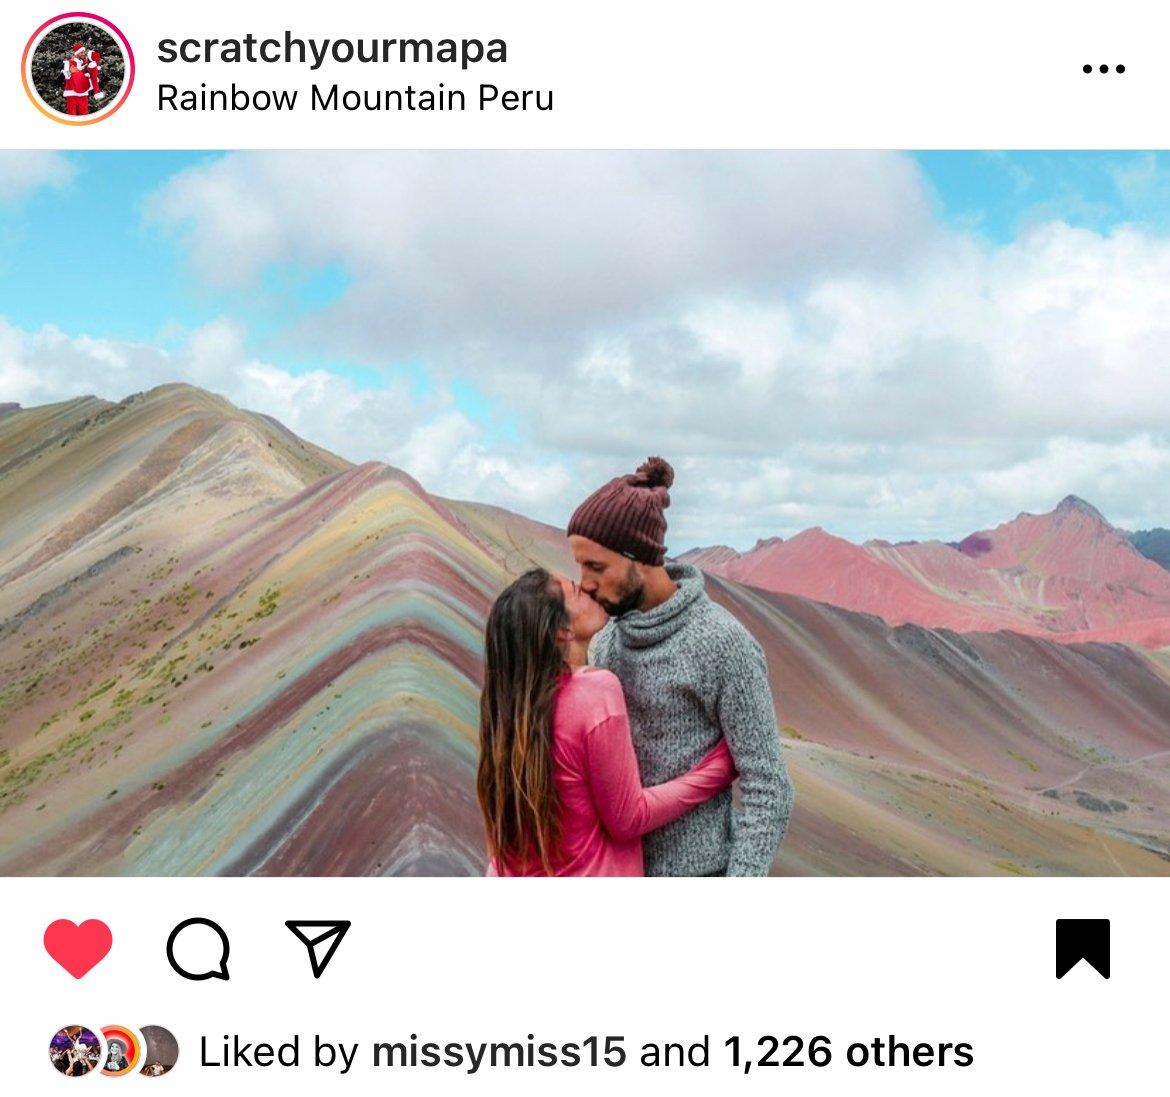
692, 674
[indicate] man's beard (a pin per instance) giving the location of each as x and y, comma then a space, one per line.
629, 595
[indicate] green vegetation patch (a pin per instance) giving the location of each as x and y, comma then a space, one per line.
1024, 761
105, 687
18, 778
1013, 868
269, 601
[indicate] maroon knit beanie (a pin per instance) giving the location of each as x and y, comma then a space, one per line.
626, 516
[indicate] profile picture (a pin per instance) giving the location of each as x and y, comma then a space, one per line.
75, 1051
78, 71
160, 1051
123, 1050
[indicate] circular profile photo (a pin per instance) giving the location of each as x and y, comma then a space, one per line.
123, 1050
78, 68
76, 1051
160, 1051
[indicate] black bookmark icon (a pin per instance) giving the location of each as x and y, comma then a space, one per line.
321, 939
1080, 939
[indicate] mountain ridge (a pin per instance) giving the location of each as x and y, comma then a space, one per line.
244, 655
1067, 574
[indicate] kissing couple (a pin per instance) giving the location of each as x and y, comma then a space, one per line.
618, 709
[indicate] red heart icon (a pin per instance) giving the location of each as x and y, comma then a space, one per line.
78, 948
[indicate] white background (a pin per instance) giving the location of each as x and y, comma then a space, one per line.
453, 960
653, 74
469, 960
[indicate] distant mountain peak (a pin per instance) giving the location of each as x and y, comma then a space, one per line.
1075, 504
1067, 572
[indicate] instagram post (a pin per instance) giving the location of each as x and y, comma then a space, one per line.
429, 460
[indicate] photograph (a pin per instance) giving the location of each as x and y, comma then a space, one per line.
582, 513
75, 1051
160, 1051
76, 68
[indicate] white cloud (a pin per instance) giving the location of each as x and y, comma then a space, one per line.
451, 248
22, 172
441, 447
793, 331
1126, 472
451, 456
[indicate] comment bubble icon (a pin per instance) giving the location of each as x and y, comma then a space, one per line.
198, 949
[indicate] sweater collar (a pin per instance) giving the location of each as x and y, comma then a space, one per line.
645, 628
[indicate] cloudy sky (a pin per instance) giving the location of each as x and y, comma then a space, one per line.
882, 344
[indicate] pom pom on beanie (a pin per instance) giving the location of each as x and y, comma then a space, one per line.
655, 473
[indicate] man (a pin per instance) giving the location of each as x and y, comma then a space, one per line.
691, 673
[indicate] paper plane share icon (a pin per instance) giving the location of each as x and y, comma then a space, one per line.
321, 939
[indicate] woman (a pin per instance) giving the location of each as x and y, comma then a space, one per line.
78, 1058
558, 780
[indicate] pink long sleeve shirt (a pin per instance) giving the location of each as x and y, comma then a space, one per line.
604, 808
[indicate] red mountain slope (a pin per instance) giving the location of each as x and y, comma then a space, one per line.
1068, 574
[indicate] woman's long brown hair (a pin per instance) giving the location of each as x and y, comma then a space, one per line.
523, 665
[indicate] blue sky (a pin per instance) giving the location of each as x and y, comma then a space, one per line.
147, 290
144, 289
100, 208
522, 326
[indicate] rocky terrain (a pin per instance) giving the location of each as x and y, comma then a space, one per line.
226, 651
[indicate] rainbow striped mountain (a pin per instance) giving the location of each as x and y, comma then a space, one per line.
225, 651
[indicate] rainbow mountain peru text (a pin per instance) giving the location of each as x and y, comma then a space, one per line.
225, 651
